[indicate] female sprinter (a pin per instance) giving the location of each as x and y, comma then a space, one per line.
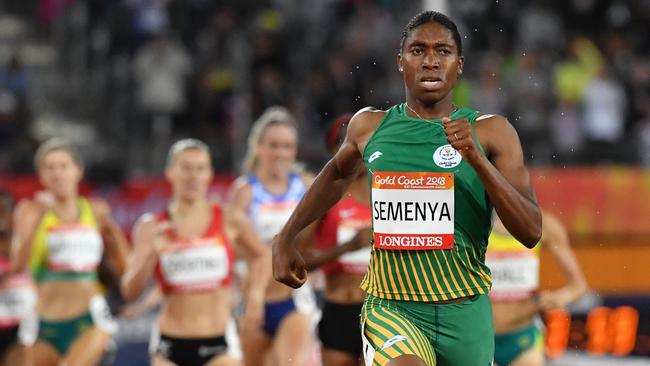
189, 249
269, 191
63, 238
515, 301
436, 173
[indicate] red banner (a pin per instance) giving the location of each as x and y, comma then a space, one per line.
608, 201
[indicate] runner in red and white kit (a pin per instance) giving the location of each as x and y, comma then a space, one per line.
343, 253
190, 249
17, 297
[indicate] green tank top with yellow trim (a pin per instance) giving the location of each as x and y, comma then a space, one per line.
67, 252
431, 213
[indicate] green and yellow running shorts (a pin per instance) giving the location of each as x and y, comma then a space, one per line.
509, 346
455, 334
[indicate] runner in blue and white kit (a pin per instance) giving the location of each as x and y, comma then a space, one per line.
269, 190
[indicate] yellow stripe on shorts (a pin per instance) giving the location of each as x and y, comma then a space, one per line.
392, 335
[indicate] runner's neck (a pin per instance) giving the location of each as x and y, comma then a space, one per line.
66, 208
183, 209
273, 183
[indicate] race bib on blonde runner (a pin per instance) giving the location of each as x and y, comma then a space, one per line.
515, 275
201, 264
75, 248
272, 217
413, 211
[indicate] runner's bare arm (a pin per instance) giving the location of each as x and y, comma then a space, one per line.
142, 259
150, 300
116, 243
258, 259
27, 216
327, 189
254, 252
336, 176
556, 239
508, 183
316, 259
502, 173
240, 194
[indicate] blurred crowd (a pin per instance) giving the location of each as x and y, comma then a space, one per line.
124, 78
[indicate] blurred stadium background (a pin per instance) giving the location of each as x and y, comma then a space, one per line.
122, 79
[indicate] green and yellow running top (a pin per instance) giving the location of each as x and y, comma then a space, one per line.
431, 214
67, 252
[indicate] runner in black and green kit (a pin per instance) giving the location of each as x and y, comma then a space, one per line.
436, 173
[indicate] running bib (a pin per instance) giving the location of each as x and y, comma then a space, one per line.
515, 274
74, 248
203, 264
17, 299
272, 217
413, 211
357, 261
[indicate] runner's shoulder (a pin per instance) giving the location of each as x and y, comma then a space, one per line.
29, 209
494, 127
368, 115
491, 121
146, 223
240, 193
365, 120
242, 182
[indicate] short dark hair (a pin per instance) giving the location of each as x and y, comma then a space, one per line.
432, 16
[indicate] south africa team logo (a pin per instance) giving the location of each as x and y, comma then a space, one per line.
447, 157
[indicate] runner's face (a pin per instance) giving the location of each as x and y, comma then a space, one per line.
190, 174
59, 173
430, 62
277, 149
